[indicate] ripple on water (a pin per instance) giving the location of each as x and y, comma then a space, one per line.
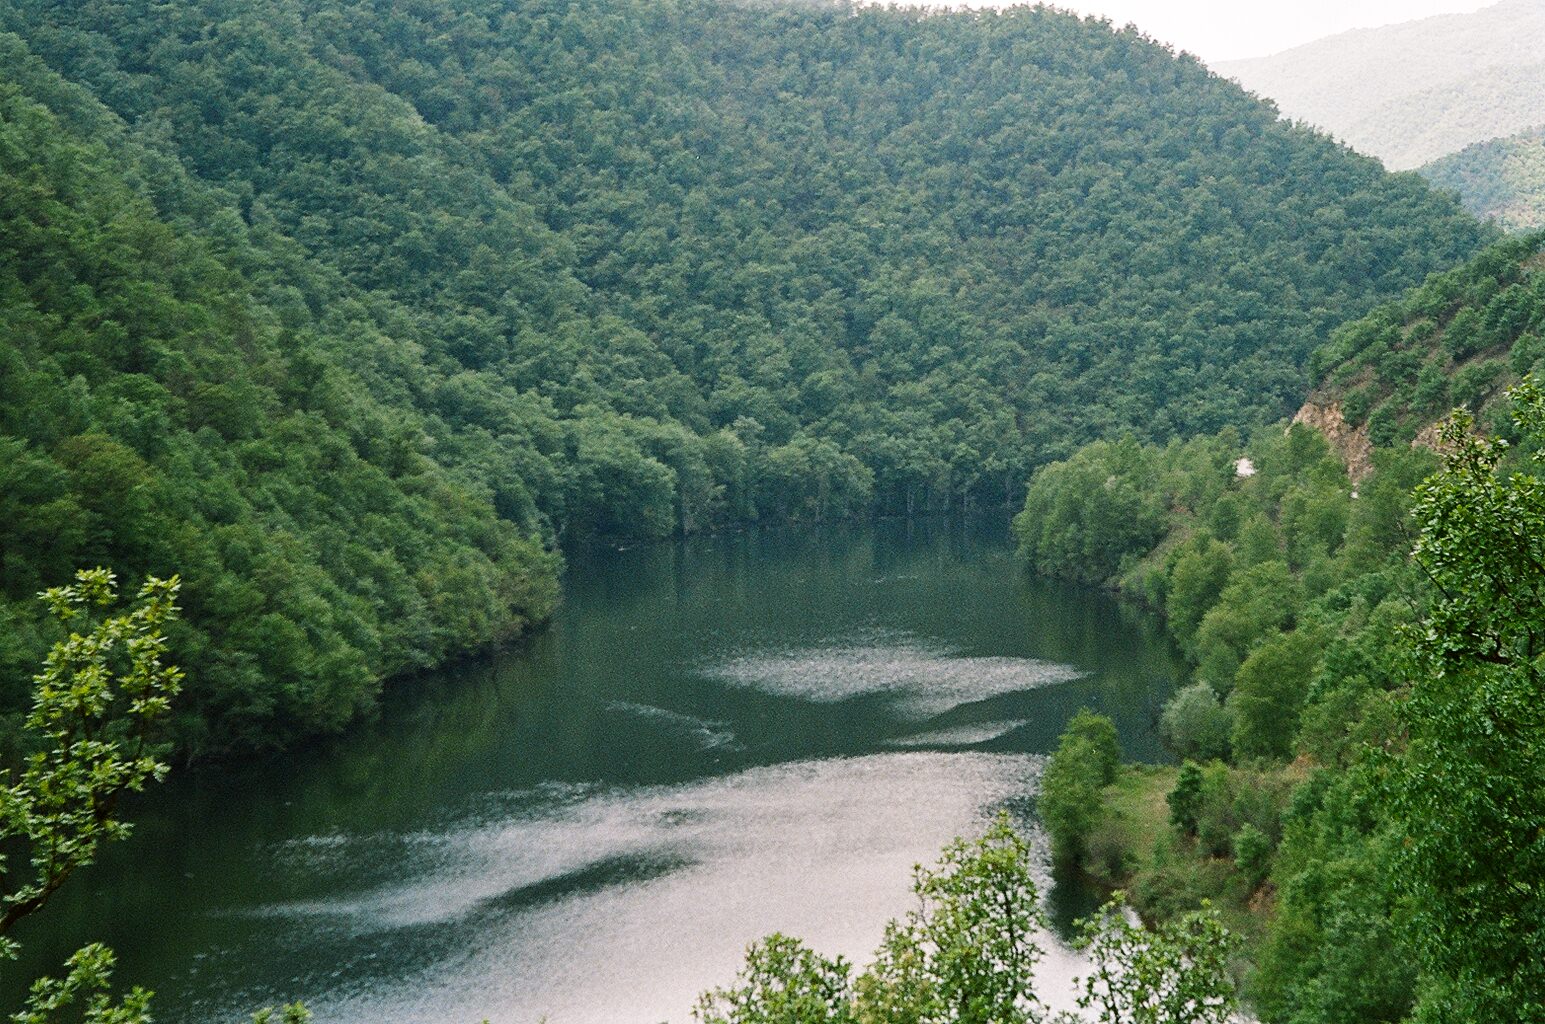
618, 906
709, 734
921, 680
968, 735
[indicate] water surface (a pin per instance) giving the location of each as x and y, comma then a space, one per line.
715, 739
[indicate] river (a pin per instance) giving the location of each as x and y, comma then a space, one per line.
715, 739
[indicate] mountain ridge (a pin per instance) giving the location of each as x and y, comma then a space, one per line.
1413, 91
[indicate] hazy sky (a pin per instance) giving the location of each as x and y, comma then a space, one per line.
1225, 29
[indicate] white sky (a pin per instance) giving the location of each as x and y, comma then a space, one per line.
1228, 29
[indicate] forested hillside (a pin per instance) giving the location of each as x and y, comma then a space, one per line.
157, 412
352, 312
1503, 179
1411, 92
1459, 340
1362, 733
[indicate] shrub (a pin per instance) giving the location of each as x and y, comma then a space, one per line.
1084, 763
1252, 854
1185, 800
1195, 724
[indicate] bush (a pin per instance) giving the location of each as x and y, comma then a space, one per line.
1216, 820
1475, 382
1185, 800
1257, 602
1269, 692
1104, 745
1195, 725
1355, 406
1252, 854
1085, 762
1462, 337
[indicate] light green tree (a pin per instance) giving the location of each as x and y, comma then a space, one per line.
967, 955
102, 691
1084, 763
783, 982
976, 926
1269, 692
1176, 973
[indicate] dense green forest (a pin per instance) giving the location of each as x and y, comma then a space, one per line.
1362, 731
354, 313
1503, 179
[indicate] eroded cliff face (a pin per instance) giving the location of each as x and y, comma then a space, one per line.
1351, 443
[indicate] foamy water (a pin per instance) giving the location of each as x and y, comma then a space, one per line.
960, 735
709, 734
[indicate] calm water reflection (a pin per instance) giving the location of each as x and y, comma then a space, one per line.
714, 740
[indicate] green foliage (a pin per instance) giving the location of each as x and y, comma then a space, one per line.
102, 691
1195, 582
1083, 764
102, 696
967, 955
1467, 791
1402, 846
291, 1013
1252, 853
783, 982
1176, 973
1098, 732
1216, 819
159, 410
1269, 693
976, 929
1257, 602
1185, 800
1195, 723
84, 994
1467, 332
1474, 383
1084, 516
1501, 179
355, 311
1340, 949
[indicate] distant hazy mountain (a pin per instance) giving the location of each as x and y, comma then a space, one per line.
1412, 92
1503, 179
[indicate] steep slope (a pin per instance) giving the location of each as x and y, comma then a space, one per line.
1503, 180
626, 268
156, 417
1412, 92
1459, 340
1294, 593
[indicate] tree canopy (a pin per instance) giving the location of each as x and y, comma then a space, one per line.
1367, 691
354, 312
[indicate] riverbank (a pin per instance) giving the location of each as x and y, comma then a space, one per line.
715, 738
1219, 853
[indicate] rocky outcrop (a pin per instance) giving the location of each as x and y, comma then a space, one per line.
1351, 443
